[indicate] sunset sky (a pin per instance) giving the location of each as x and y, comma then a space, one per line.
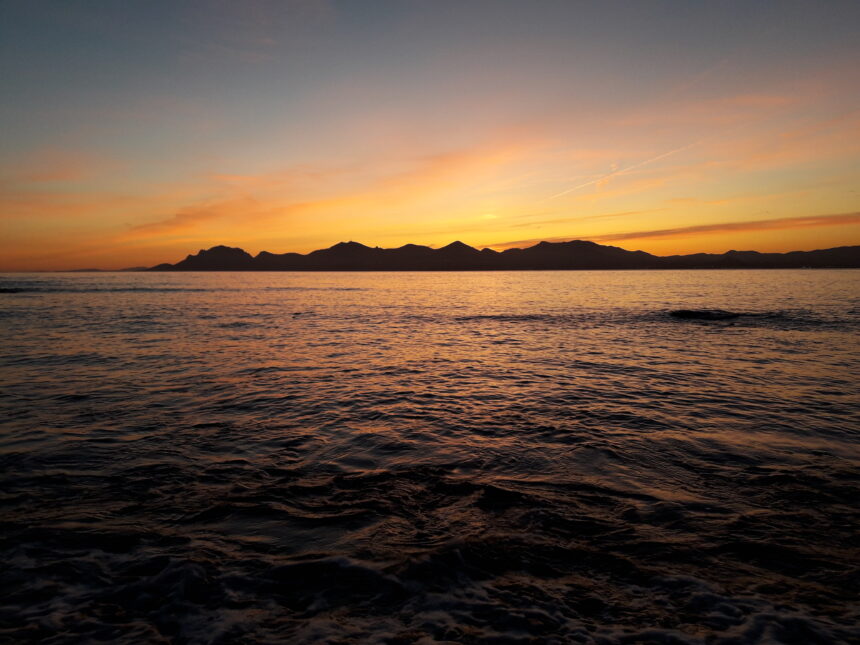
134, 133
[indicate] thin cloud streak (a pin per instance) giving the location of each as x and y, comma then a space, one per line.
585, 218
783, 223
731, 227
623, 171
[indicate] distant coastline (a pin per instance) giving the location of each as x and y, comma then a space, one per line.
573, 255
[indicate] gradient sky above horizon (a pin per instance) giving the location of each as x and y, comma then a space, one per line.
135, 133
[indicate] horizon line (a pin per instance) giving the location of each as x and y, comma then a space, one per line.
551, 241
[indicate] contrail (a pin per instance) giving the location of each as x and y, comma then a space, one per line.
624, 171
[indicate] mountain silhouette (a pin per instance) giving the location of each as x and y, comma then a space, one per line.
219, 258
577, 254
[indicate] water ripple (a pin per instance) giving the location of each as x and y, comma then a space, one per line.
430, 458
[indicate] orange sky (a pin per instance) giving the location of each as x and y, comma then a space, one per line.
501, 135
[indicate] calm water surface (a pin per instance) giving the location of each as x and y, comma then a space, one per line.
510, 457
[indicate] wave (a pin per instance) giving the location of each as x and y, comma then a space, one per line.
124, 289
798, 319
56, 289
416, 553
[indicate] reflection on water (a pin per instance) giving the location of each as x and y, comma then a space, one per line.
540, 457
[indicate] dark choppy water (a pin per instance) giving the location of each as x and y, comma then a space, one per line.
402, 458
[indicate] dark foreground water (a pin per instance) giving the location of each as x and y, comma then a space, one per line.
536, 457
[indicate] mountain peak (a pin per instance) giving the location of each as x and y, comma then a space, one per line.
217, 258
219, 249
458, 246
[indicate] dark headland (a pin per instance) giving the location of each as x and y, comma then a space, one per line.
577, 254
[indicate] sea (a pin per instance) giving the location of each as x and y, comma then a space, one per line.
430, 457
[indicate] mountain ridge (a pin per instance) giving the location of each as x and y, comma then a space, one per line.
457, 256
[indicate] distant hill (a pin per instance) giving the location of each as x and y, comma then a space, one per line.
577, 254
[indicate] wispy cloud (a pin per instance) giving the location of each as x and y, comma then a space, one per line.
253, 30
783, 223
713, 112
274, 198
622, 171
47, 165
583, 218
